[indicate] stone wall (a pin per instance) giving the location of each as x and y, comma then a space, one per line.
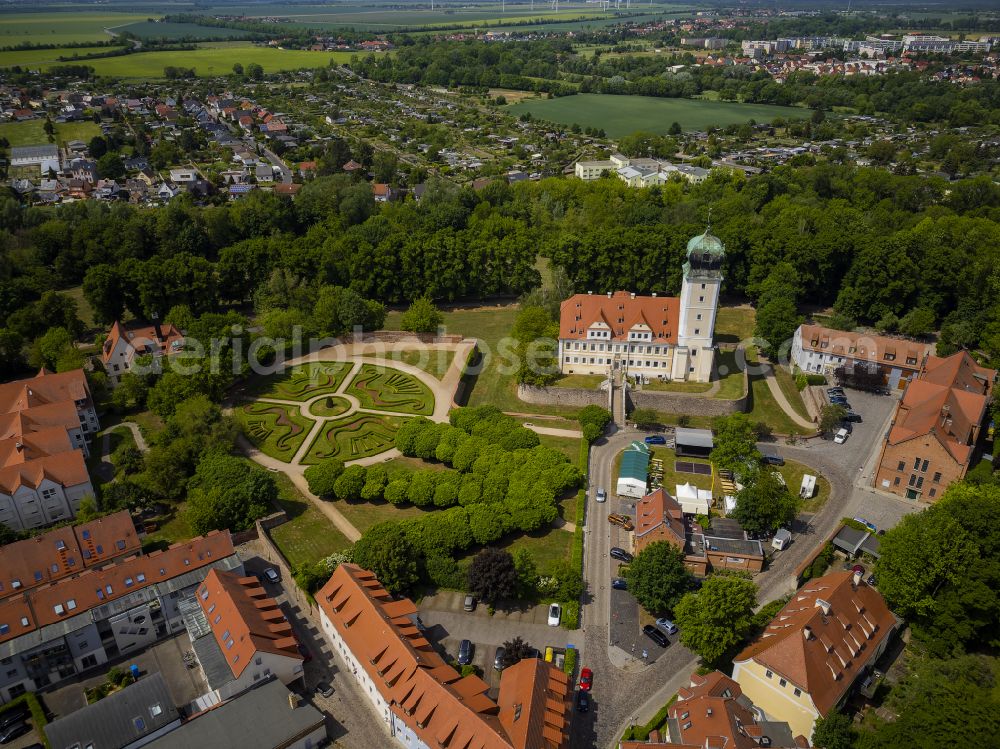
689, 404
555, 396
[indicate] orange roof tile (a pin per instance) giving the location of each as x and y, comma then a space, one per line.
824, 636
656, 509
42, 389
67, 469
142, 338
244, 620
906, 354
440, 706
620, 313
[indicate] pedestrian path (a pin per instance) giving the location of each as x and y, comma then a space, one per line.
779, 396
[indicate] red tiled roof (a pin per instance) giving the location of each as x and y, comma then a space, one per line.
94, 587
904, 353
824, 636
659, 508
67, 469
42, 389
244, 620
141, 337
441, 707
620, 313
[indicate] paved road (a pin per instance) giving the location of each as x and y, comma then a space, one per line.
286, 173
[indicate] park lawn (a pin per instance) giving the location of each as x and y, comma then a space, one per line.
62, 27
83, 309
329, 407
677, 386
731, 383
213, 59
410, 465
356, 436
302, 382
308, 536
492, 387
173, 528
621, 115
787, 384
695, 422
363, 515
734, 324
671, 477
275, 429
568, 446
30, 57
793, 472
547, 546
32, 132
383, 388
590, 382
436, 363
766, 408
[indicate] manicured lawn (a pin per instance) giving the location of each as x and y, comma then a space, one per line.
589, 382
216, 58
386, 389
695, 422
308, 536
731, 383
353, 437
435, 363
330, 406
677, 387
275, 429
568, 446
363, 515
622, 115
734, 324
766, 408
83, 309
302, 382
672, 478
32, 132
793, 472
792, 394
547, 546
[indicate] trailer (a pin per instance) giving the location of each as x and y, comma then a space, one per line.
808, 488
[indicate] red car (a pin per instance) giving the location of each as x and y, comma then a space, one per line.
586, 679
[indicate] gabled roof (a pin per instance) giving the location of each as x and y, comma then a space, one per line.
66, 468
824, 636
658, 509
620, 312
903, 353
46, 387
141, 338
440, 706
244, 620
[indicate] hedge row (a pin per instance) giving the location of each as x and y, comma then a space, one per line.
38, 716
641, 733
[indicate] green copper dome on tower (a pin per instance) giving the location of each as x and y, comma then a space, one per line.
706, 243
705, 254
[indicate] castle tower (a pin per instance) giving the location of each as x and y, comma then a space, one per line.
695, 353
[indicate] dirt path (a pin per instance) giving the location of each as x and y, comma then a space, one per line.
772, 384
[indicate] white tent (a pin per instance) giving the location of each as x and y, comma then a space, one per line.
693, 501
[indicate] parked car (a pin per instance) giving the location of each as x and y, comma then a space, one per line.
619, 583
555, 614
841, 436
667, 626
11, 717
15, 731
656, 439
498, 658
858, 569
602, 496
867, 524
774, 460
272, 575
656, 635
582, 702
470, 603
848, 426
586, 679
871, 580
465, 652
839, 400
324, 689
853, 416
620, 554
623, 521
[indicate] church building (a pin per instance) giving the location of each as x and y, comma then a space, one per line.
657, 337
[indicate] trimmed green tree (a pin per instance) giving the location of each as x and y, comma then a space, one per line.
718, 617
422, 317
385, 550
765, 504
322, 477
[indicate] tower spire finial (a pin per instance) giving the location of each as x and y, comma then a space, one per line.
708, 228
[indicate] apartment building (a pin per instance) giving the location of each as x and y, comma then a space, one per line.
125, 342
46, 423
52, 630
934, 431
822, 350
424, 702
666, 338
805, 662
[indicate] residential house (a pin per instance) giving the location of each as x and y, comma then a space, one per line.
383, 193
267, 716
125, 342
166, 191
423, 701
242, 636
805, 662
45, 157
45, 425
307, 168
659, 517
822, 350
666, 338
127, 719
53, 632
84, 170
936, 426
264, 173
289, 189
181, 175
352, 166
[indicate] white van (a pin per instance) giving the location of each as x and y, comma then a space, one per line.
840, 437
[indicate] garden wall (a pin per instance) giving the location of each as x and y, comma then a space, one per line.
555, 396
690, 404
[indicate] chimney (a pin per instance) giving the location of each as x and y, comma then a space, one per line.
807, 632
632, 295
857, 579
609, 295
293, 700
825, 605
590, 293
156, 326
19, 446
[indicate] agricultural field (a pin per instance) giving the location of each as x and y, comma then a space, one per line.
62, 27
32, 57
32, 132
213, 59
168, 30
384, 389
357, 436
274, 429
621, 115
303, 382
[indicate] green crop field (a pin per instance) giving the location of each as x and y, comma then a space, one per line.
32, 57
61, 28
32, 132
621, 115
170, 30
213, 59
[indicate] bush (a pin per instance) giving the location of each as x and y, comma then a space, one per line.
444, 572
38, 716
820, 563
815, 379
323, 476
570, 615
569, 663
593, 421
